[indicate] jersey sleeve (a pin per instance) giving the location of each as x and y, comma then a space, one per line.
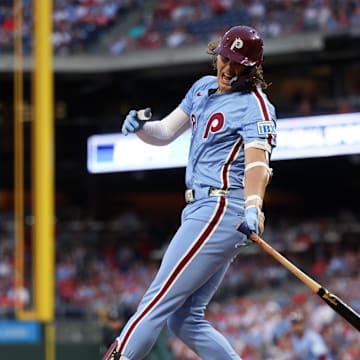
259, 123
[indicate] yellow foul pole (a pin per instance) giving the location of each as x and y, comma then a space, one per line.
43, 162
18, 157
42, 171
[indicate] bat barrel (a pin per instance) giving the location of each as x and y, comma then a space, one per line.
340, 307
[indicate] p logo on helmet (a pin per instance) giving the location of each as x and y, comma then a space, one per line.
237, 44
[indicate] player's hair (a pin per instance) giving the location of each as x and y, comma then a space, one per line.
256, 79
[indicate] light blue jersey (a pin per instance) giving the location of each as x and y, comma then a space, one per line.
216, 156
207, 241
230, 119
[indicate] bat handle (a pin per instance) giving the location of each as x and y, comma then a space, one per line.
144, 114
244, 228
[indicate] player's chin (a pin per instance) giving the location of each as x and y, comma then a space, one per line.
224, 87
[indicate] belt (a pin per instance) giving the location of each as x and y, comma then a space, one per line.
192, 195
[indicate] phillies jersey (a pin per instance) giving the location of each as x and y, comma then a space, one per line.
206, 242
216, 156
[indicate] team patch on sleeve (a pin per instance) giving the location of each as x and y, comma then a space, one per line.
266, 127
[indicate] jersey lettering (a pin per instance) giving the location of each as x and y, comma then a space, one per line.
266, 127
215, 123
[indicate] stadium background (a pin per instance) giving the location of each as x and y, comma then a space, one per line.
111, 228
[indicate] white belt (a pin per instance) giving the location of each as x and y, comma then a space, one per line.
190, 195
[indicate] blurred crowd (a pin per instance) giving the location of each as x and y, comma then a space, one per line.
170, 23
105, 264
76, 23
179, 23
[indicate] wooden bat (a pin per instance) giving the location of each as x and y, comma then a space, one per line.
332, 300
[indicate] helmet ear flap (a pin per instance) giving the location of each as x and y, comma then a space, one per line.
244, 82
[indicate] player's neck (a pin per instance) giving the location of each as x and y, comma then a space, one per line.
223, 91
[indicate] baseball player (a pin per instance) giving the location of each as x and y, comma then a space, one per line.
307, 343
233, 127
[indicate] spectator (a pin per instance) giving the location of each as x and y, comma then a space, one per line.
178, 37
116, 318
307, 343
119, 45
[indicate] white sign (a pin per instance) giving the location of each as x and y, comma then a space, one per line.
304, 137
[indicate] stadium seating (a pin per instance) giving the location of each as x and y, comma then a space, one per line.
93, 264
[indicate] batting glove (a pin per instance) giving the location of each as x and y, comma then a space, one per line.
255, 219
131, 123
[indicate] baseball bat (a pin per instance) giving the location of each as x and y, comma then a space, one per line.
144, 114
332, 300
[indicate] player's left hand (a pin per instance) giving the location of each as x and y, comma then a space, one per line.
255, 219
131, 123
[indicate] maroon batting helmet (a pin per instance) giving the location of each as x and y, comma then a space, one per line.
243, 45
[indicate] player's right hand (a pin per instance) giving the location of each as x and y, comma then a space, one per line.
131, 123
